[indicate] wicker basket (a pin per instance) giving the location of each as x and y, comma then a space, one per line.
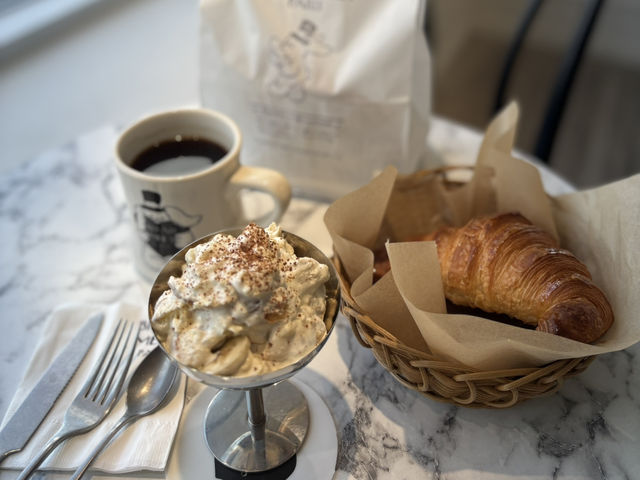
444, 380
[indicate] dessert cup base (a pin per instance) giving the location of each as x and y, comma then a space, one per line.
246, 448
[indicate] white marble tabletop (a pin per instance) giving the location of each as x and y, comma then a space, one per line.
65, 227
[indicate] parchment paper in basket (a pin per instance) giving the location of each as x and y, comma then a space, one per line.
600, 226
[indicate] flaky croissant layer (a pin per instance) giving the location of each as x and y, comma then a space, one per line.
505, 264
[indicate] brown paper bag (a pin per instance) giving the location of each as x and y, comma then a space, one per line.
600, 226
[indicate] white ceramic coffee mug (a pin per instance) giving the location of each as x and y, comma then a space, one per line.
172, 208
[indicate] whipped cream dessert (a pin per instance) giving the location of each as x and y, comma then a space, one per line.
243, 305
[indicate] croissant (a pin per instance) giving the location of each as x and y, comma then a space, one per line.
505, 264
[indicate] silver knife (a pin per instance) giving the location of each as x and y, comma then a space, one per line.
29, 415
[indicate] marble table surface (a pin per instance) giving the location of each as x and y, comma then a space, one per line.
66, 232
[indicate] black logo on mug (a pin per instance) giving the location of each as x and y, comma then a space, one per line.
164, 228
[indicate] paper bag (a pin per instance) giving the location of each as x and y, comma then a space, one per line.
326, 91
600, 226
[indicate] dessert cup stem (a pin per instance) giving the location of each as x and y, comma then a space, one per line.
258, 429
257, 424
255, 407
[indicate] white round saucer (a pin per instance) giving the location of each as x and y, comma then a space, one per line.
316, 459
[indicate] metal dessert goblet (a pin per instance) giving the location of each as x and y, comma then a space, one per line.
258, 422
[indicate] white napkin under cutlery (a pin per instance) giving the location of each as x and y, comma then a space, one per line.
144, 446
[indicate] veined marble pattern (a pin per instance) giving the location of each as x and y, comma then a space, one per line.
66, 232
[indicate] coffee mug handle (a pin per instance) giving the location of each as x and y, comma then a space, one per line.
267, 181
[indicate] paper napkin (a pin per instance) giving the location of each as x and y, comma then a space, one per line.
143, 446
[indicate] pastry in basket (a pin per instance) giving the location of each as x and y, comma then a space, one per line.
505, 264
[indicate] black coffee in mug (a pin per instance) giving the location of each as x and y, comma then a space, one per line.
178, 156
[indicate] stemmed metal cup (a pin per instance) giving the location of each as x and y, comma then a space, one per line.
258, 422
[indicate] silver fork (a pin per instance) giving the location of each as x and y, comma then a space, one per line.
98, 394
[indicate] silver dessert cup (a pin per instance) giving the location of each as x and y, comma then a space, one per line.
255, 423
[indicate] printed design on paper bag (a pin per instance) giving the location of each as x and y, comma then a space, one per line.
291, 61
165, 229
